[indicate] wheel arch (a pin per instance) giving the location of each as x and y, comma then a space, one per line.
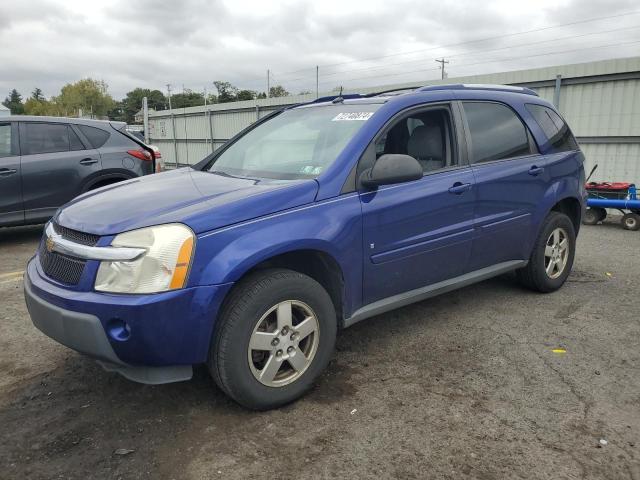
572, 208
314, 262
104, 178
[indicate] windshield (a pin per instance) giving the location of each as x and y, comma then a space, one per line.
298, 143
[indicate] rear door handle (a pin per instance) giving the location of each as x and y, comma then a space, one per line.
88, 161
459, 188
5, 172
536, 170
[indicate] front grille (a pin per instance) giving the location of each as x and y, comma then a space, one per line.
76, 236
64, 268
61, 267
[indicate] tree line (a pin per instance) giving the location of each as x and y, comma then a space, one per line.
89, 97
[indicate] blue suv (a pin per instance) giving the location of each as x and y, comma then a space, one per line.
312, 219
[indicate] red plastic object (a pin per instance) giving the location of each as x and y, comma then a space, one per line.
608, 186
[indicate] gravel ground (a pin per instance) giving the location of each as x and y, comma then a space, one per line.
466, 385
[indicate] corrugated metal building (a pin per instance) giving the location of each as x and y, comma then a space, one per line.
600, 100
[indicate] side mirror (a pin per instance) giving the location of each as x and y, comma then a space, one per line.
392, 168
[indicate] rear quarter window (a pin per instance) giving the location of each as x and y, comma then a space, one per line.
554, 127
96, 136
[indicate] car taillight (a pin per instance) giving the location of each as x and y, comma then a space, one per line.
140, 154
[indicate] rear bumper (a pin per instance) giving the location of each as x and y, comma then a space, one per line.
147, 338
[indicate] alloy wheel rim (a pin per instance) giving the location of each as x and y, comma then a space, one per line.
556, 253
283, 343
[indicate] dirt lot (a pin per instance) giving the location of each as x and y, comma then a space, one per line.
466, 385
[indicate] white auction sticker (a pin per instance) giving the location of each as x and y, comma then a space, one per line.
351, 116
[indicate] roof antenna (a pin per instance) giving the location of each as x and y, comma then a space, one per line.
339, 98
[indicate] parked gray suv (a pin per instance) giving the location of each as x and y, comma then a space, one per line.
47, 161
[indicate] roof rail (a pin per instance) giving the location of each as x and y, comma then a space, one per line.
329, 98
478, 86
391, 90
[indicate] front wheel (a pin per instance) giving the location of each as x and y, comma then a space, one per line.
552, 256
275, 335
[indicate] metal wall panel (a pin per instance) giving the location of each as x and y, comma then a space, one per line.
616, 162
603, 108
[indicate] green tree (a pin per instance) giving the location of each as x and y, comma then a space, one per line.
39, 107
132, 103
278, 91
37, 95
14, 102
117, 112
226, 91
246, 95
188, 98
88, 95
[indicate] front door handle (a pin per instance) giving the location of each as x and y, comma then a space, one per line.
88, 161
5, 172
535, 170
459, 188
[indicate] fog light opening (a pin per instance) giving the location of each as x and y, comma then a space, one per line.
118, 329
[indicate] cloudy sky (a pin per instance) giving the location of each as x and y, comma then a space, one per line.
147, 43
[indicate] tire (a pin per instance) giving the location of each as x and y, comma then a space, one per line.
536, 275
252, 316
593, 215
631, 221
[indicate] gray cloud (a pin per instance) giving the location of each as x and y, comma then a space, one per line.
193, 42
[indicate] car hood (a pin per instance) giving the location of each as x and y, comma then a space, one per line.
203, 201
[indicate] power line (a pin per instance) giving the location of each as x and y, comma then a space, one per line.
473, 52
467, 53
485, 39
492, 61
312, 70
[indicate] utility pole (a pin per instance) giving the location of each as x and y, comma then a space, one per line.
184, 118
268, 82
317, 82
145, 119
169, 94
442, 62
173, 126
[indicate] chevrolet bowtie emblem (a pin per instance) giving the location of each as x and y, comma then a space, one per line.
50, 244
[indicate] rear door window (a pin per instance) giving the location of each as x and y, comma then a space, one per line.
96, 136
497, 133
5, 140
554, 127
45, 138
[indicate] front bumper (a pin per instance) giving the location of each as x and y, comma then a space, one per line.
147, 338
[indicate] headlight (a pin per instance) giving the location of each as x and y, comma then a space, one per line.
164, 266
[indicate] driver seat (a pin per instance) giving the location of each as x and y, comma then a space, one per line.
425, 145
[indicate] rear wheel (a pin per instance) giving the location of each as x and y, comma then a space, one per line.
594, 215
275, 335
552, 256
631, 221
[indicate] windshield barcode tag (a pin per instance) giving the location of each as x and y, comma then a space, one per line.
350, 116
